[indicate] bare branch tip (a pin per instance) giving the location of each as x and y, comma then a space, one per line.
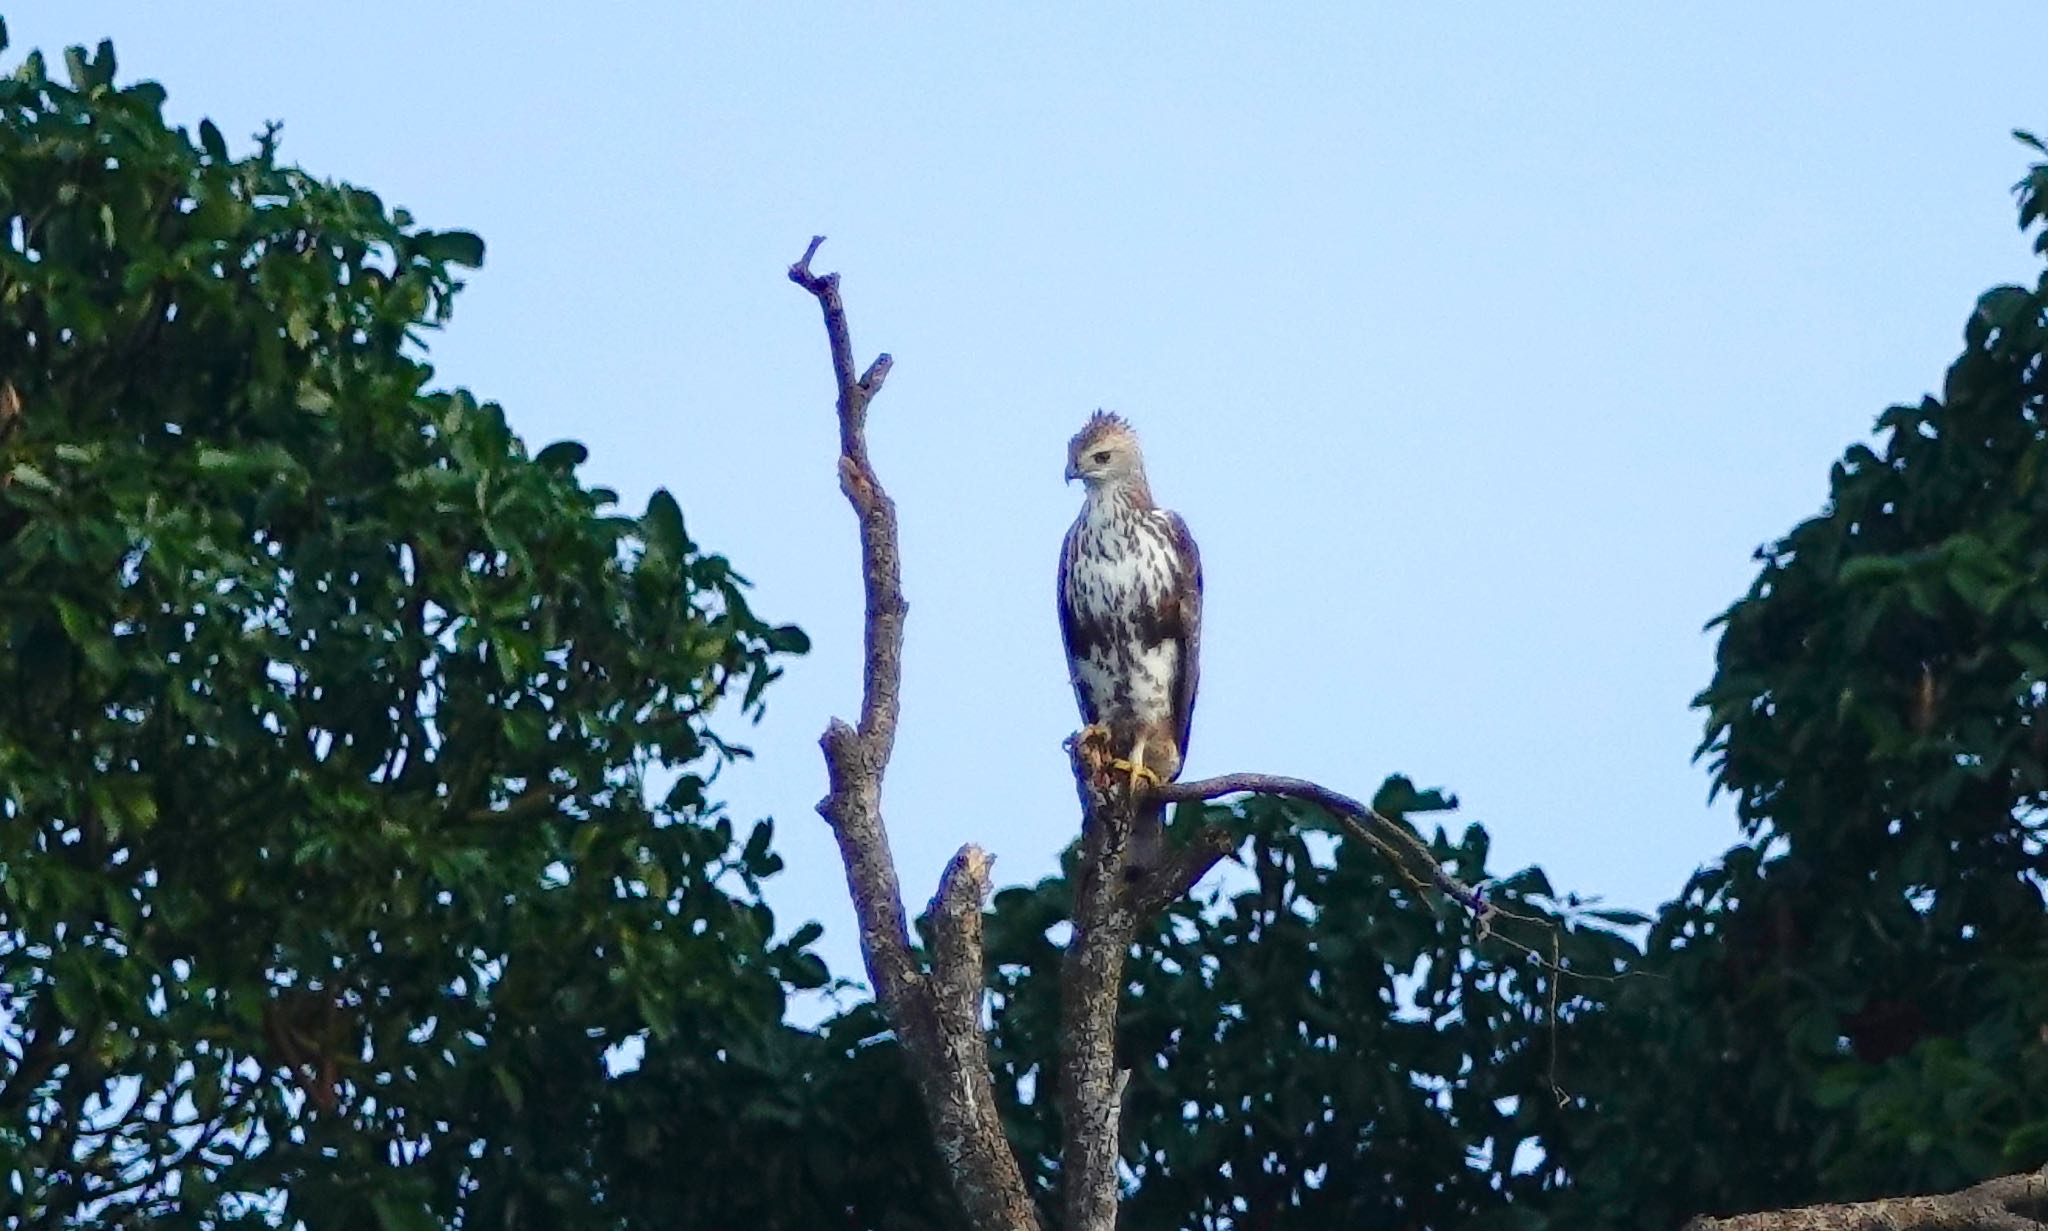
837, 739
800, 273
878, 371
968, 871
976, 862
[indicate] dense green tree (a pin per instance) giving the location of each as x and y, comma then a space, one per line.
329, 866
1319, 1039
353, 815
1852, 1002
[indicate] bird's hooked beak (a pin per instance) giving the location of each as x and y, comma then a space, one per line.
1073, 471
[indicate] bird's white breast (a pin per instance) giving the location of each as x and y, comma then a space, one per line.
1124, 567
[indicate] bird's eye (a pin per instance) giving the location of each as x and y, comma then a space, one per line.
1102, 457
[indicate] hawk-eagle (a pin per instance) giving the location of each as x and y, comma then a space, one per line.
1131, 615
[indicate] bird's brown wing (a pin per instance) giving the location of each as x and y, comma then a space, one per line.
1073, 633
1187, 581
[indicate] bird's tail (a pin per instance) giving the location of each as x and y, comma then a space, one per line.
1148, 840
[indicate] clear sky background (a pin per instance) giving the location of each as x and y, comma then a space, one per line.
1480, 346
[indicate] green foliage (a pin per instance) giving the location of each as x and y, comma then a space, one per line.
328, 871
1851, 1003
789, 1129
330, 879
1323, 1046
1848, 1004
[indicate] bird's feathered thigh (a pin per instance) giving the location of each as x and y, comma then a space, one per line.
1130, 611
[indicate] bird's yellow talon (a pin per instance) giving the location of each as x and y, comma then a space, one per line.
1138, 771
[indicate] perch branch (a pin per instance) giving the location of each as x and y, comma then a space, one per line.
938, 1027
1108, 909
2008, 1203
1091, 988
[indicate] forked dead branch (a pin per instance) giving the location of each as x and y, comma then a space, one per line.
935, 1013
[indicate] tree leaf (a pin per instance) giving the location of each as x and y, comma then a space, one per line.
663, 525
453, 247
562, 456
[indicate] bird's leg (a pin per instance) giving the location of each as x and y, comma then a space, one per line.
1140, 772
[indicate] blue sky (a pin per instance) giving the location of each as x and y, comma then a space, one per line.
1480, 346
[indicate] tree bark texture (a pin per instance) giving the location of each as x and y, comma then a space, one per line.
2008, 1203
1091, 990
936, 1015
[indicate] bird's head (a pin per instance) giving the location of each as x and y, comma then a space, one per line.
1104, 452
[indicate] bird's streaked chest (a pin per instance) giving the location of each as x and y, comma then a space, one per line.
1119, 575
1121, 562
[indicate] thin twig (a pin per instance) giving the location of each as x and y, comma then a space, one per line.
1354, 815
1367, 824
881, 565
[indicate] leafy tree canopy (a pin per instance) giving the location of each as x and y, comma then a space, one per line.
329, 867
1851, 1003
334, 864
1332, 1044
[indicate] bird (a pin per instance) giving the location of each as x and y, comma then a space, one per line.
1130, 601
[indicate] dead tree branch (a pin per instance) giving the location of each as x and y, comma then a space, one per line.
936, 1017
1091, 989
1359, 818
2008, 1203
1108, 910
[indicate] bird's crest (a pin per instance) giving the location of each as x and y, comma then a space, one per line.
1101, 425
